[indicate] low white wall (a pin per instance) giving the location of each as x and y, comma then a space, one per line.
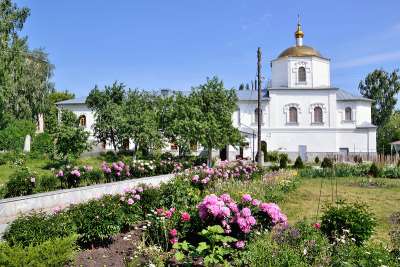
11, 208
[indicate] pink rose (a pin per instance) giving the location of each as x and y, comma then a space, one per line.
317, 225
168, 214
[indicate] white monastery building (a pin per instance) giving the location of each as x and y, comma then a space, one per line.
302, 114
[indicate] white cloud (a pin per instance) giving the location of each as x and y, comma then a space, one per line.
368, 60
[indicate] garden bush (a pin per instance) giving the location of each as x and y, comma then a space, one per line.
54, 252
283, 160
48, 183
12, 137
327, 163
21, 183
42, 145
316, 160
298, 164
97, 220
352, 220
374, 170
36, 228
272, 156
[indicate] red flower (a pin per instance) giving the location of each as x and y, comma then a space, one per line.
173, 232
317, 225
185, 217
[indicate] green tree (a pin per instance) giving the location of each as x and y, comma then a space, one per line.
142, 121
51, 114
24, 73
70, 140
179, 118
388, 133
109, 117
382, 87
213, 125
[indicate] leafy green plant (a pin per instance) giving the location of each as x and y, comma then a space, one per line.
48, 183
374, 170
350, 219
42, 145
283, 160
97, 220
298, 164
36, 228
316, 160
214, 250
54, 252
12, 137
327, 163
21, 183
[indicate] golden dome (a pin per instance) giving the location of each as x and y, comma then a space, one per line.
300, 51
299, 33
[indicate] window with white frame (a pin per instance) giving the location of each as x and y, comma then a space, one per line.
292, 115
292, 112
318, 116
348, 114
302, 74
317, 112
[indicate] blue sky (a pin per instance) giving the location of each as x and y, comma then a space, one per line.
177, 44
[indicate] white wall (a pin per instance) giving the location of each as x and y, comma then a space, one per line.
285, 72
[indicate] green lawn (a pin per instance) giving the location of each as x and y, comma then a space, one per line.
383, 199
39, 166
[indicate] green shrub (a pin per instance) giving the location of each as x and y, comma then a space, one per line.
316, 173
395, 232
283, 160
374, 170
353, 220
97, 220
48, 183
264, 251
150, 199
272, 156
21, 183
391, 172
316, 160
42, 145
327, 163
3, 159
358, 159
54, 252
13, 136
298, 164
94, 176
37, 228
370, 255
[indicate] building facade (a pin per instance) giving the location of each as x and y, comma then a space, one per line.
301, 113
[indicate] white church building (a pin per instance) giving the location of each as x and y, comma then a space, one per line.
302, 113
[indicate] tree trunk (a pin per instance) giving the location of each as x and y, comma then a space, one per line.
209, 160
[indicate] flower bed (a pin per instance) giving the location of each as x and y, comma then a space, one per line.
184, 222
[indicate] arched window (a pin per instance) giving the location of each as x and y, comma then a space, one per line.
82, 121
302, 74
256, 116
347, 114
293, 115
318, 115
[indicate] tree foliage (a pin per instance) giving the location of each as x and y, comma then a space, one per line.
24, 73
216, 105
382, 87
107, 105
389, 132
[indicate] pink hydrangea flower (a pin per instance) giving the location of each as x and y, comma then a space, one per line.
256, 202
246, 212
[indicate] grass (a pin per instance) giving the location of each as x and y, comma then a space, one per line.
381, 195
